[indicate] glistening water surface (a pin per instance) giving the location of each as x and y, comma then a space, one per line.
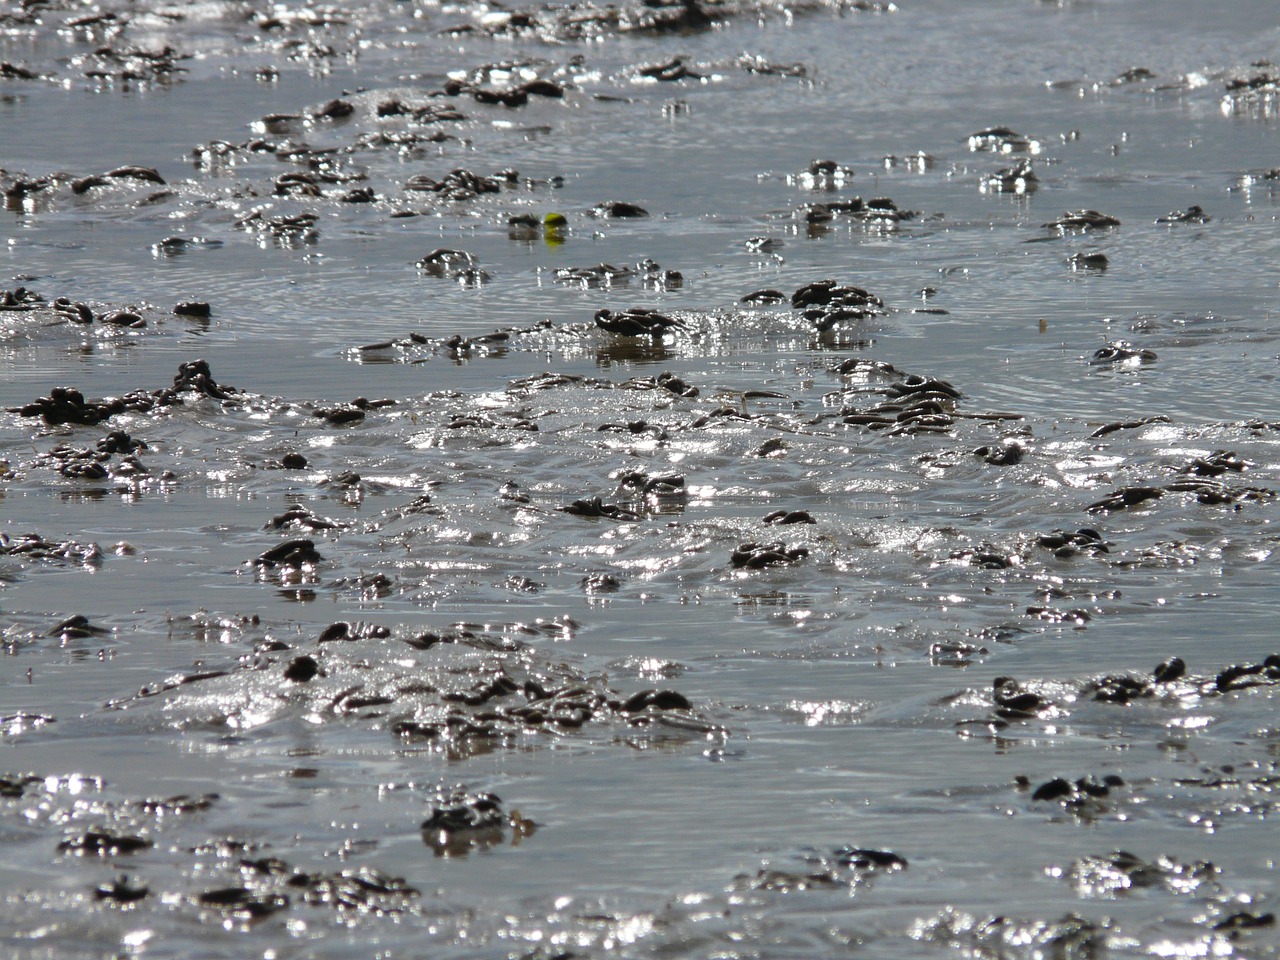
701, 480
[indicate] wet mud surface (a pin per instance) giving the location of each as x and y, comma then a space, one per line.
693, 479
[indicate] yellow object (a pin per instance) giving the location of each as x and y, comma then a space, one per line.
553, 229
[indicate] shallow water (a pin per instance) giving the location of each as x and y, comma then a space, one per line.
837, 774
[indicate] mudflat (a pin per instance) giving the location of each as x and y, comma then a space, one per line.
648, 480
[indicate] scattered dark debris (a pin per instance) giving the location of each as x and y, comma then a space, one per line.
1065, 545
655, 700
290, 553
912, 405
22, 721
288, 229
1168, 671
1077, 616
460, 821
1207, 491
955, 652
104, 843
663, 487
1216, 464
1121, 352
177, 805
1127, 425
77, 627
1000, 455
1020, 178
68, 405
35, 547
1122, 871
988, 557
636, 322
443, 262
19, 299
784, 517
828, 292
11, 71
371, 585
175, 246
123, 889
1125, 498
767, 297
596, 508
457, 185
1000, 140
144, 174
244, 902
1216, 493
618, 210
13, 786
636, 428
1083, 796
1133, 75
1078, 220
1262, 81
846, 866
862, 366
759, 65
755, 556
601, 583
511, 492
299, 517
343, 630
825, 303
664, 381
1245, 920
773, 447
720, 414
1193, 214
117, 441
1096, 262
458, 346
302, 669
876, 213
339, 416
861, 858
362, 889
669, 71
1014, 701
601, 275
513, 420
649, 272
336, 109
1242, 675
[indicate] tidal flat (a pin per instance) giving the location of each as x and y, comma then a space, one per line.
701, 479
